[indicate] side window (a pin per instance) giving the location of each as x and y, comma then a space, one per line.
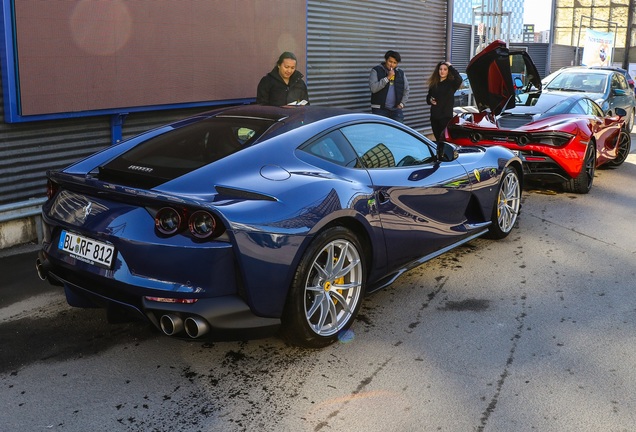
595, 109
465, 84
332, 147
561, 107
244, 134
580, 107
383, 146
619, 82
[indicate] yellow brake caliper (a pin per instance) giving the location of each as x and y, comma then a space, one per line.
338, 281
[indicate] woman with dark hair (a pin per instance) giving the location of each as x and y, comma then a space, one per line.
283, 85
442, 85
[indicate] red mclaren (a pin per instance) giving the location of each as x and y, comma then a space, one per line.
560, 137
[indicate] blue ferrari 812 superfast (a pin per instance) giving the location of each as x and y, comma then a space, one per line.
254, 218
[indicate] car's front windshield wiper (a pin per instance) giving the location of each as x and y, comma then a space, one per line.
566, 89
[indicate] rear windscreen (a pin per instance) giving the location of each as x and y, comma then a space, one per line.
182, 150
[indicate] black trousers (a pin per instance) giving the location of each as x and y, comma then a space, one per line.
438, 126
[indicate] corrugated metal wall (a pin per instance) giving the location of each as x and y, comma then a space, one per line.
539, 54
461, 46
561, 56
345, 39
28, 150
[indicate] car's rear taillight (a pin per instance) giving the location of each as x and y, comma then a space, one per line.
168, 221
552, 139
172, 300
199, 224
51, 189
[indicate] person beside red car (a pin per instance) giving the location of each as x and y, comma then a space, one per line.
442, 85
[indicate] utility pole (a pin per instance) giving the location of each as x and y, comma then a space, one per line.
628, 34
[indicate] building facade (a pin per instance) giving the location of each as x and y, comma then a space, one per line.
571, 19
510, 11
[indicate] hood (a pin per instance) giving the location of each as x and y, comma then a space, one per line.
491, 73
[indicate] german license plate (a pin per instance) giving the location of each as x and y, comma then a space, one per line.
87, 250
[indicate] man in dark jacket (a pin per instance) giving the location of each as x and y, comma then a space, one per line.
389, 87
283, 85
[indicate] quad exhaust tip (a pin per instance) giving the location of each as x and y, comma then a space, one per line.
196, 327
41, 269
171, 324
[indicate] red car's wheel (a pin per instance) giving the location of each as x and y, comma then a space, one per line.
582, 183
623, 147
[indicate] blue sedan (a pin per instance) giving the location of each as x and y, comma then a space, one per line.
257, 218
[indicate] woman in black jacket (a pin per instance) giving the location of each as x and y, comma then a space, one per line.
283, 85
442, 85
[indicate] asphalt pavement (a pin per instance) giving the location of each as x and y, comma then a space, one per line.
20, 280
531, 333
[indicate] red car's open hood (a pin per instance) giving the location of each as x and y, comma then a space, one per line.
490, 74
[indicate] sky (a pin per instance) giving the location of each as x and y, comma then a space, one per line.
539, 13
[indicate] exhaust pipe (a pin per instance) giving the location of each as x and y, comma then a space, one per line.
42, 269
171, 324
196, 327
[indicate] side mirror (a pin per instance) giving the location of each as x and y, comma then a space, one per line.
620, 92
446, 152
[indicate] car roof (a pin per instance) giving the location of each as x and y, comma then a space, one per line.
603, 71
614, 68
275, 113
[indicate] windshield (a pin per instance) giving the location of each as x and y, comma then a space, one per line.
537, 102
579, 81
184, 149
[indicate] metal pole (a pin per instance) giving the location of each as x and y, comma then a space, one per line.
578, 41
551, 39
472, 35
628, 36
449, 31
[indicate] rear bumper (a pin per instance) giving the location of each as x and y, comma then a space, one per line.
224, 316
538, 166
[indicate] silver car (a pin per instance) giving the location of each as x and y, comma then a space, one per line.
463, 95
607, 87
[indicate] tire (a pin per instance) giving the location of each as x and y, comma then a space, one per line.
582, 183
507, 205
327, 290
623, 148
